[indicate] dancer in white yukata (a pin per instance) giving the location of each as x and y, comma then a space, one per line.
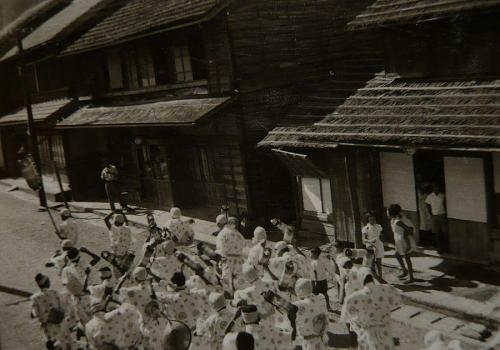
165, 263
266, 337
52, 313
120, 237
220, 221
140, 294
369, 312
253, 293
117, 329
256, 252
182, 230
372, 240
181, 305
101, 291
311, 319
214, 327
288, 230
230, 244
153, 326
59, 260
347, 278
68, 228
73, 278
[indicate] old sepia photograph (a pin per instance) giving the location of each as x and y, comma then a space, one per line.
250, 174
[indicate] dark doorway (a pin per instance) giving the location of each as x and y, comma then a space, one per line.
429, 172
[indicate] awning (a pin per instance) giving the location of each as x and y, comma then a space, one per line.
41, 112
167, 113
384, 12
299, 164
408, 113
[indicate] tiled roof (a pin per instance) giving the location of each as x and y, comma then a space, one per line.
32, 14
168, 113
393, 111
139, 16
61, 23
41, 112
383, 12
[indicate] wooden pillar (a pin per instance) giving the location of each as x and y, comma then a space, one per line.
351, 180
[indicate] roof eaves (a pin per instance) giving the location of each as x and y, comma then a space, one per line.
63, 34
360, 23
172, 26
27, 17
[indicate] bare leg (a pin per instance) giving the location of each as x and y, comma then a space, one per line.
410, 267
378, 264
404, 272
327, 300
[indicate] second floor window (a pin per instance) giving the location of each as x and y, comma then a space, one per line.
141, 67
183, 68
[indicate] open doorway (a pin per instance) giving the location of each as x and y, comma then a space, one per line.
430, 187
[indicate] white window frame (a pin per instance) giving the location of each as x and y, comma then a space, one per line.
326, 208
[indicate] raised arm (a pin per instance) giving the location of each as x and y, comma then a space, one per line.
107, 220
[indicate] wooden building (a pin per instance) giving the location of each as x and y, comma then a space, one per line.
180, 101
431, 116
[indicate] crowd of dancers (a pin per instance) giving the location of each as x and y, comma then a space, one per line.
175, 293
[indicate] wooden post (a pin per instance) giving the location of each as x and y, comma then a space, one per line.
31, 132
353, 198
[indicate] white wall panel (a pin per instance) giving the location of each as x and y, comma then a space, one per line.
465, 189
398, 180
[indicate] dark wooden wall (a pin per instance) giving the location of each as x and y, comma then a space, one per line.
356, 188
219, 63
448, 47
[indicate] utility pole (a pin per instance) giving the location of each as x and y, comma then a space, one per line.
31, 131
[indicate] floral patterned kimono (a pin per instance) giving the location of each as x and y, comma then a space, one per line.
368, 311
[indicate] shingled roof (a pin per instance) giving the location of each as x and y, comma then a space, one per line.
26, 19
61, 24
166, 113
41, 112
139, 16
392, 111
384, 12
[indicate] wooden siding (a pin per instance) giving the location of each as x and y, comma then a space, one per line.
278, 42
218, 55
469, 239
355, 189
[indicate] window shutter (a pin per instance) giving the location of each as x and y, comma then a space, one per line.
115, 69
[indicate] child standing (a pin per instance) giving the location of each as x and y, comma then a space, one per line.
322, 268
371, 239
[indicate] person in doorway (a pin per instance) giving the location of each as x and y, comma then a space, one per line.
110, 177
402, 228
436, 203
371, 239
424, 215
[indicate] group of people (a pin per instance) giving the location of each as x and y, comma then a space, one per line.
174, 293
